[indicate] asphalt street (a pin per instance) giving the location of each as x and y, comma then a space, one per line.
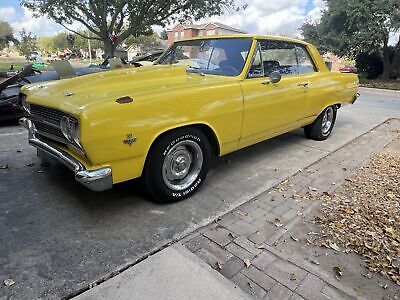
56, 237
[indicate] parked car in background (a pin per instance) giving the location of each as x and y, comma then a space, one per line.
10, 88
205, 96
34, 56
147, 59
348, 69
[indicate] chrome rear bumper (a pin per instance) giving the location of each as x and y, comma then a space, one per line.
96, 180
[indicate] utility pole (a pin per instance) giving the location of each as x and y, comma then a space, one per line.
90, 50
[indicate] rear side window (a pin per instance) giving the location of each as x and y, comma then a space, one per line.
284, 57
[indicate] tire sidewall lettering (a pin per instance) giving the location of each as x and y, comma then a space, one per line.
192, 188
179, 139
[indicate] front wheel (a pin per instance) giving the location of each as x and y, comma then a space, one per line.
177, 165
322, 127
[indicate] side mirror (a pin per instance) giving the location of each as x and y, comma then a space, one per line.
275, 77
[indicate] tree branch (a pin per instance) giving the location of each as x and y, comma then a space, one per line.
80, 34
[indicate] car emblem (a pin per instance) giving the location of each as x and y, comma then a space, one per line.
68, 94
130, 139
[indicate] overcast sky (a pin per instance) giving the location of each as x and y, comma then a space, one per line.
281, 17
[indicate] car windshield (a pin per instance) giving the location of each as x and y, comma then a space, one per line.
225, 56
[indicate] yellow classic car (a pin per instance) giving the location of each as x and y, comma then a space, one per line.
204, 96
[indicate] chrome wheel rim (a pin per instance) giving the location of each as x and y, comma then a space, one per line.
182, 165
327, 121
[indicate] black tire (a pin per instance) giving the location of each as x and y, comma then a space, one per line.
318, 130
155, 175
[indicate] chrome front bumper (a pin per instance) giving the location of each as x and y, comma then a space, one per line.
96, 180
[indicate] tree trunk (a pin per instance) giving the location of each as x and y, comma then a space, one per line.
109, 48
386, 63
396, 60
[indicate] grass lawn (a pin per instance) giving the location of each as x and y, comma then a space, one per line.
6, 62
380, 84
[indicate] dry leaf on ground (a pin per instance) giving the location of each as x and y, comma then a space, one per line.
363, 216
247, 262
9, 282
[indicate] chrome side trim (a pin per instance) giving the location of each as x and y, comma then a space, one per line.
96, 180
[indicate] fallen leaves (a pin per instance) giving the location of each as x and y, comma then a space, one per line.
247, 262
338, 272
294, 238
363, 217
242, 213
8, 282
315, 262
293, 277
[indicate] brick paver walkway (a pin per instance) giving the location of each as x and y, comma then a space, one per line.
241, 244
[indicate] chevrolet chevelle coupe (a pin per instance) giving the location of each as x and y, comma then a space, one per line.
203, 97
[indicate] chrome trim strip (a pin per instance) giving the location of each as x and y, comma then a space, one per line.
96, 180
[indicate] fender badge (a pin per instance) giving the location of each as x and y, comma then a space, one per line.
68, 94
130, 139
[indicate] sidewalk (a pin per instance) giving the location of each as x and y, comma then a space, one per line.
262, 246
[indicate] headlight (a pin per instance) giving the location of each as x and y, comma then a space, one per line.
70, 129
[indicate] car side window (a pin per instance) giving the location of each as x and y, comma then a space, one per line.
279, 57
305, 64
287, 58
256, 69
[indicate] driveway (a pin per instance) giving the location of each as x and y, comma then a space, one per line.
56, 237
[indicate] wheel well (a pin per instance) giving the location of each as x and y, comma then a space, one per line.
338, 105
212, 138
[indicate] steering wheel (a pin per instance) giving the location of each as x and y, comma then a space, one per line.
227, 67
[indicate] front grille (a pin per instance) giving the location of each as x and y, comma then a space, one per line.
47, 114
48, 129
47, 122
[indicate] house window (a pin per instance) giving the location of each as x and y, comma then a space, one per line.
176, 36
182, 34
210, 32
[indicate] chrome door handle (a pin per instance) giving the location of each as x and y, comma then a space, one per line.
266, 82
304, 84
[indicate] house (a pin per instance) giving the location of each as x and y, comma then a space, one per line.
187, 30
334, 62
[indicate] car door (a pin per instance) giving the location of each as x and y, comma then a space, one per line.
273, 108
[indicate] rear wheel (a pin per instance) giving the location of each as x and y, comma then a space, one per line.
322, 127
177, 165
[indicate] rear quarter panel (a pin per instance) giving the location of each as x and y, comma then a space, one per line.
328, 88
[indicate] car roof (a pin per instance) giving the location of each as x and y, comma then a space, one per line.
252, 36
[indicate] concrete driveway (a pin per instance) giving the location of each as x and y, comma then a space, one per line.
57, 237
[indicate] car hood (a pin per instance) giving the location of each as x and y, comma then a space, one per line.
80, 93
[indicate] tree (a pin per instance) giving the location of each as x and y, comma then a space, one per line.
164, 35
146, 42
112, 21
349, 28
6, 34
27, 43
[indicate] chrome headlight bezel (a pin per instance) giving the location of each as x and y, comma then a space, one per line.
25, 105
71, 130
75, 133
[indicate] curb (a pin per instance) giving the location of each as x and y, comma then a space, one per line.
379, 91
